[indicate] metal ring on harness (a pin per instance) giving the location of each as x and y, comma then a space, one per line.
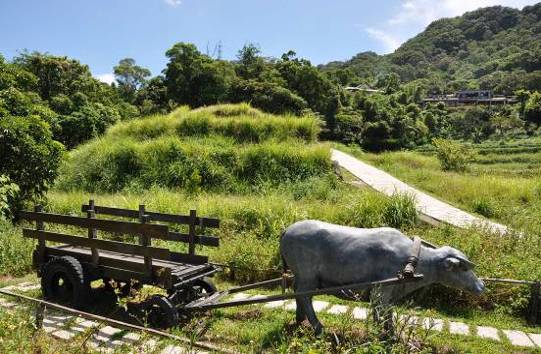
413, 259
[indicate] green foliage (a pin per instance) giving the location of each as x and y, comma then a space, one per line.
195, 79
452, 155
400, 212
532, 109
200, 150
8, 195
130, 78
15, 250
28, 154
268, 96
494, 48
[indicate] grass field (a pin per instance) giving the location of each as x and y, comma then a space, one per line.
502, 183
260, 173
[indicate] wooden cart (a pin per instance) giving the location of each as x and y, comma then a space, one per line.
69, 266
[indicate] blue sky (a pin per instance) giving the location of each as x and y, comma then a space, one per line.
101, 32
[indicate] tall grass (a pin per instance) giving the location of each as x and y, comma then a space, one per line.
240, 122
224, 148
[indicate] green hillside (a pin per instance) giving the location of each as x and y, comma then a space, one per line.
495, 48
222, 148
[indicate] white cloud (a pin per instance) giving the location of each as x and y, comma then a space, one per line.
389, 41
425, 11
173, 3
108, 78
412, 16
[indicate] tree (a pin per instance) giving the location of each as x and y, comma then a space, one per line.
130, 78
195, 79
532, 110
29, 156
250, 64
503, 123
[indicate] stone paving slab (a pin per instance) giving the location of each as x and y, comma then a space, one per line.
488, 332
518, 338
338, 309
434, 324
426, 205
536, 338
275, 304
360, 313
459, 328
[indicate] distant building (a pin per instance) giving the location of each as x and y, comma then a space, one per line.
466, 97
362, 88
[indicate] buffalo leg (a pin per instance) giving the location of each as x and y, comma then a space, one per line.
305, 303
300, 314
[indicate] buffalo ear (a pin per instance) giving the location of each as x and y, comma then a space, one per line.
451, 263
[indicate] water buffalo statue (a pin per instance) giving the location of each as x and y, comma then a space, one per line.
323, 255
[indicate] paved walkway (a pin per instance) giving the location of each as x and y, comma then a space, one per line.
431, 209
105, 339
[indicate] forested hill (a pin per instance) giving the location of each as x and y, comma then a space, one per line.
496, 48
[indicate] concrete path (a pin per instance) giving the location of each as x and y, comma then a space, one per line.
105, 339
431, 209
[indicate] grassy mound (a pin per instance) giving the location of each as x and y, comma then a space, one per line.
220, 148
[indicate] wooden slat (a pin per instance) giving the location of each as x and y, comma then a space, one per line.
172, 218
188, 258
113, 246
158, 231
200, 239
107, 260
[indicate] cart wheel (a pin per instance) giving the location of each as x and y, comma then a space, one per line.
161, 312
207, 286
63, 281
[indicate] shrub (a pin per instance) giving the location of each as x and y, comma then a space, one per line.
400, 211
453, 156
8, 195
28, 155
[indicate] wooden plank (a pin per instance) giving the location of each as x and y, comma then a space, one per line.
158, 231
93, 233
154, 216
188, 258
113, 246
191, 234
200, 239
108, 260
144, 240
127, 213
41, 240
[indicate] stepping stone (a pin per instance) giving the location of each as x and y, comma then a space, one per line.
131, 338
409, 320
254, 297
488, 332
433, 324
171, 349
24, 284
360, 313
319, 305
536, 338
50, 326
275, 304
149, 346
459, 328
291, 306
106, 333
338, 309
518, 338
83, 322
64, 334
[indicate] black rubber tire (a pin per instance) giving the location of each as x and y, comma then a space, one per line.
63, 281
161, 312
206, 285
